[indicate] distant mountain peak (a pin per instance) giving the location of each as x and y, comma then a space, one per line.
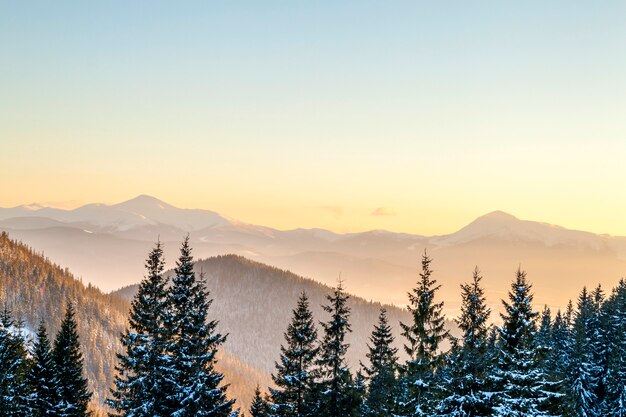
144, 201
33, 206
498, 215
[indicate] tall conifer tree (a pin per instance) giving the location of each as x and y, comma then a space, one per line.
294, 378
142, 381
259, 406
423, 339
469, 361
521, 378
338, 395
43, 382
615, 314
382, 391
584, 372
68, 360
14, 367
197, 385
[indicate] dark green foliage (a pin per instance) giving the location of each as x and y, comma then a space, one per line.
38, 289
196, 389
43, 400
615, 325
423, 340
382, 391
469, 361
337, 391
14, 368
259, 407
68, 360
294, 378
142, 381
521, 379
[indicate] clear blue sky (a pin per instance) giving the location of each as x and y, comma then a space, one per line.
319, 113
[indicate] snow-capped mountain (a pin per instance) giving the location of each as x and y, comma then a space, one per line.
139, 212
104, 242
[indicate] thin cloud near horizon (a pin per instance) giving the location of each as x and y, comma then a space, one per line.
383, 211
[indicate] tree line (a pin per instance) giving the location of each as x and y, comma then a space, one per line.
533, 364
47, 381
572, 363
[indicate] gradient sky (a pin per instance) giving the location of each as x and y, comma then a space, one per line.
349, 115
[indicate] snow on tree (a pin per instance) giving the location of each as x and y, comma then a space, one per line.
294, 378
423, 339
68, 359
521, 380
469, 362
13, 369
259, 406
337, 392
615, 328
197, 389
583, 375
43, 399
382, 390
142, 384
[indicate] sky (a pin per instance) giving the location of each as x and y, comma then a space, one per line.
353, 115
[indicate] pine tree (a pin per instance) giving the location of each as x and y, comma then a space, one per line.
423, 336
547, 364
68, 361
294, 378
469, 363
259, 406
338, 395
521, 379
142, 381
615, 314
14, 367
584, 372
43, 400
197, 389
382, 391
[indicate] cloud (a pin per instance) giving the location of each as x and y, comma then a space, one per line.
337, 211
383, 211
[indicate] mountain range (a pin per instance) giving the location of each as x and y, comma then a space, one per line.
251, 301
105, 243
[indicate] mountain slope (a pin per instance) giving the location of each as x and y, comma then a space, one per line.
35, 289
102, 242
252, 301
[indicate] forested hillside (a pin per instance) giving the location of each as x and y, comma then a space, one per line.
34, 288
253, 303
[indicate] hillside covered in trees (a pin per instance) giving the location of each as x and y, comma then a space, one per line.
36, 289
253, 302
535, 363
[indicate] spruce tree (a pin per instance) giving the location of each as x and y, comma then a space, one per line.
581, 393
423, 339
615, 314
521, 378
14, 367
382, 391
468, 366
43, 400
338, 395
68, 361
197, 389
259, 406
547, 364
294, 378
142, 381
